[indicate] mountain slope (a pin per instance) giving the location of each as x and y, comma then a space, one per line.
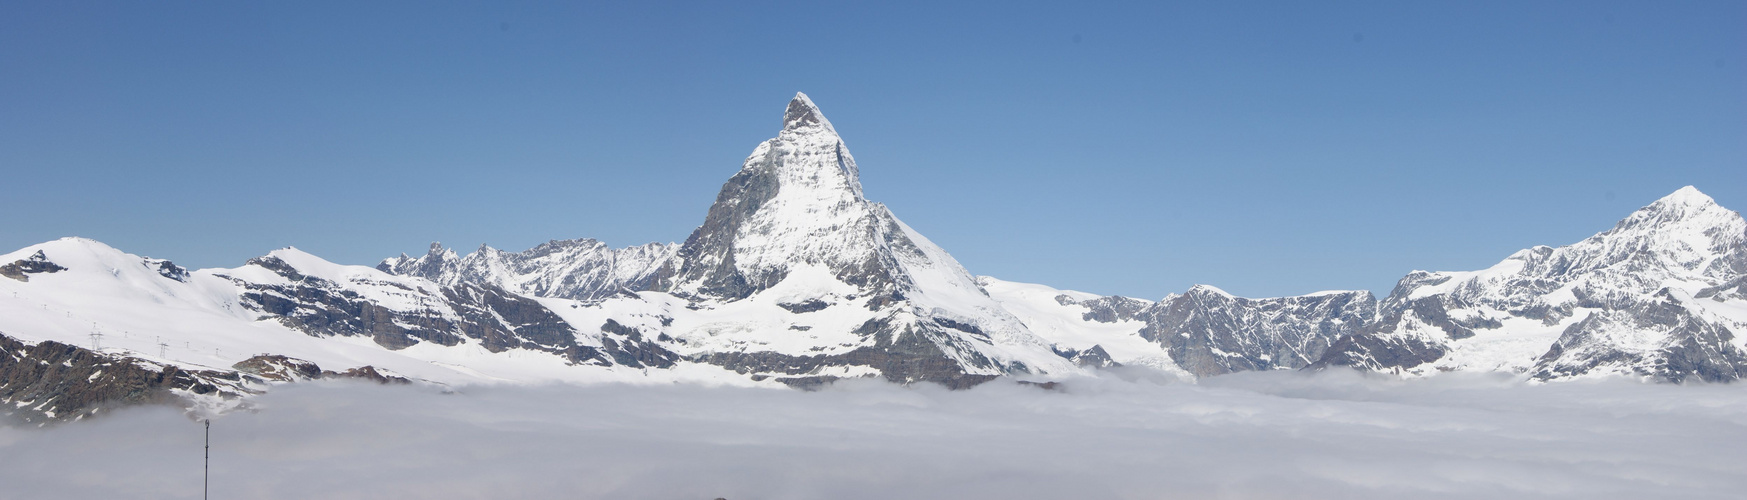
582, 269
796, 278
1622, 301
295, 304
1210, 332
793, 227
1202, 332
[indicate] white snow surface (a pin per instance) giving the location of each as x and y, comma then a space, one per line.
1064, 325
578, 269
1683, 242
201, 323
818, 226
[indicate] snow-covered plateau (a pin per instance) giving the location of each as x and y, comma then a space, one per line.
796, 279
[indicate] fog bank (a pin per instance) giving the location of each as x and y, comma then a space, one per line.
1266, 435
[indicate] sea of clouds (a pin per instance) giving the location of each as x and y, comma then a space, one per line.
1257, 435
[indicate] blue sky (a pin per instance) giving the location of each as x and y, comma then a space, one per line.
1136, 149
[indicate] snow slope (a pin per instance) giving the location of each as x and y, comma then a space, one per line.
203, 321
1624, 301
582, 269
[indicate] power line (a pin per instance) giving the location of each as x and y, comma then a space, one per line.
206, 467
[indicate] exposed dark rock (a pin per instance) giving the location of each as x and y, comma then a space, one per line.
707, 256
961, 326
1733, 289
1691, 348
1112, 309
914, 357
1092, 357
635, 350
498, 319
322, 308
1370, 351
582, 269
806, 306
503, 320
1208, 332
1433, 311
59, 382
883, 300
168, 270
1377, 347
369, 373
279, 368
22, 268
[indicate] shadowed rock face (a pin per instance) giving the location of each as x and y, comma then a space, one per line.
1733, 289
1110, 309
495, 318
1376, 346
55, 382
168, 270
581, 269
51, 381
635, 350
1619, 301
1208, 332
1686, 346
279, 368
323, 308
1091, 357
707, 257
1372, 352
797, 200
797, 203
22, 269
913, 355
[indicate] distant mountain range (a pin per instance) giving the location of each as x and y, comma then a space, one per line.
796, 278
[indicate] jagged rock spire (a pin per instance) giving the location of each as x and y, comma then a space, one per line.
803, 113
797, 200
793, 224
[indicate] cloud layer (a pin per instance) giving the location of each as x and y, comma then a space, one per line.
1267, 435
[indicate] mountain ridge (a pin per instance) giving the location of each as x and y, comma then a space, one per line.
795, 278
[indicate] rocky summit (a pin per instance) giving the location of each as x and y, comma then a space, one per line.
796, 278
1639, 299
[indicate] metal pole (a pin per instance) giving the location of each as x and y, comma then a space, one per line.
206, 468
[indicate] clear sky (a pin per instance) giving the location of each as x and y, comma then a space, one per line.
1135, 149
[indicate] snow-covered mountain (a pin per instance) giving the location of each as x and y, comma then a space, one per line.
582, 269
792, 228
1658, 296
212, 332
794, 275
1210, 332
796, 278
1202, 332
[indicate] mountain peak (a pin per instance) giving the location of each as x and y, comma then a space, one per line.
1687, 196
803, 113
1686, 209
1210, 289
